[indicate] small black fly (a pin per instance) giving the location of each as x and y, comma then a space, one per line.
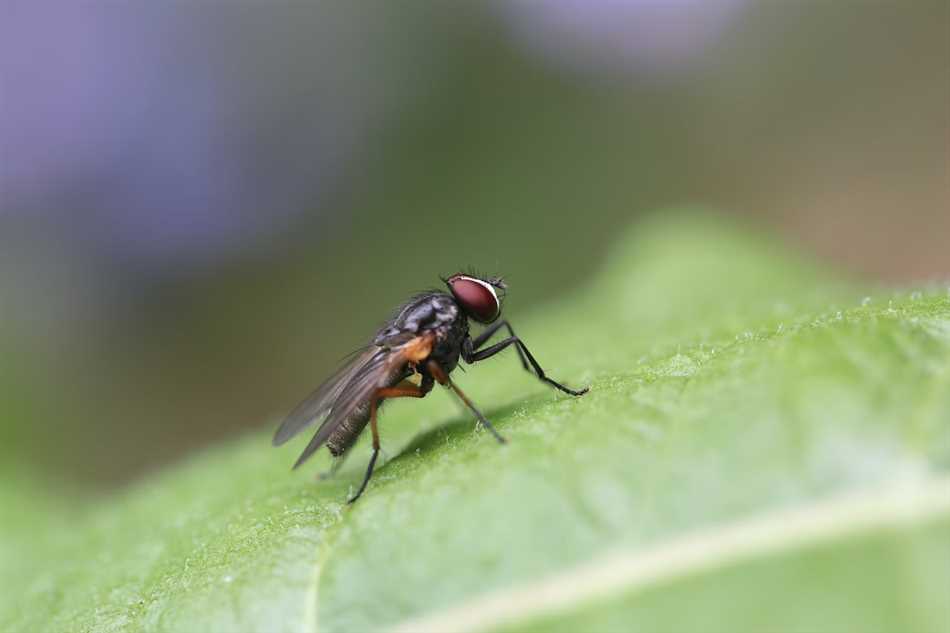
427, 336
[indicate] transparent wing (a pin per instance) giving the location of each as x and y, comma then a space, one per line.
384, 368
321, 400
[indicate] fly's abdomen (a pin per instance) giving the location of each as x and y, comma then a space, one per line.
347, 431
344, 436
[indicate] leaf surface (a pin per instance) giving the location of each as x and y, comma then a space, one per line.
730, 383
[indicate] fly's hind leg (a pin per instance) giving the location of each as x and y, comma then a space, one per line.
405, 389
334, 467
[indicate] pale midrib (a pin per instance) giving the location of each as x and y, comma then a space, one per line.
629, 570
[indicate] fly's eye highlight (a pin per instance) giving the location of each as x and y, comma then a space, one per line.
477, 297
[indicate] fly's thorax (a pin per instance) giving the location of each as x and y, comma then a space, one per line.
448, 345
423, 313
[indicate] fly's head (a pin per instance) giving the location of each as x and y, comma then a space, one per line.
479, 298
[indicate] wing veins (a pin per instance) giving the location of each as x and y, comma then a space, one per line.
321, 400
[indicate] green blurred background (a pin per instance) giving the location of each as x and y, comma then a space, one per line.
203, 207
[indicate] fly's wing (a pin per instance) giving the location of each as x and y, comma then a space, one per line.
321, 400
384, 368
379, 371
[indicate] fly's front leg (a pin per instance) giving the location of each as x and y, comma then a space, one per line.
472, 354
482, 338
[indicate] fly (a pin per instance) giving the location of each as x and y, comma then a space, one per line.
427, 336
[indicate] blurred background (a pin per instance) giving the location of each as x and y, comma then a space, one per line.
203, 206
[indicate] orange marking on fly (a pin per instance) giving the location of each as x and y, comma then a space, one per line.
418, 348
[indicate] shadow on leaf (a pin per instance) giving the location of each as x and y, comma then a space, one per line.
439, 436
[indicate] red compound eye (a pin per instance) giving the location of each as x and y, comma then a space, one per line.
477, 297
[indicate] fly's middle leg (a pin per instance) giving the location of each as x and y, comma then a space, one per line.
439, 374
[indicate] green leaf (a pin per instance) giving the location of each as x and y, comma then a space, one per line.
765, 446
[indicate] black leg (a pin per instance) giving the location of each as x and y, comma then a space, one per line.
488, 352
369, 473
439, 374
482, 338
